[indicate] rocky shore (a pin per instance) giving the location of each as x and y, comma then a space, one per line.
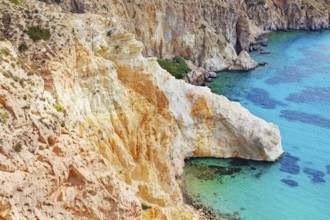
205, 213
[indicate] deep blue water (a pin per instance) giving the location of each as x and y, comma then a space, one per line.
292, 91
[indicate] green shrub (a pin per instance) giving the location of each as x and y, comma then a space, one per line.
5, 51
48, 2
177, 68
22, 47
18, 147
311, 7
261, 2
145, 207
203, 26
14, 1
37, 33
4, 117
59, 108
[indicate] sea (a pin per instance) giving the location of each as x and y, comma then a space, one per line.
293, 92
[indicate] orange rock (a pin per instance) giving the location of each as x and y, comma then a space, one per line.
51, 140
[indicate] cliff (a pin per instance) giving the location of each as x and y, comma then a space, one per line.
210, 33
91, 129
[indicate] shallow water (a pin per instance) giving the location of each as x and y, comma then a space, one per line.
292, 91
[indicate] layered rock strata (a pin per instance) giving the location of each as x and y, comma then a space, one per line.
90, 129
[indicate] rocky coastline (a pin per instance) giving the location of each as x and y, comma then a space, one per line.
192, 29
93, 127
205, 213
245, 64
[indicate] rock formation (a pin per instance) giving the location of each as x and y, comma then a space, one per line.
210, 33
91, 129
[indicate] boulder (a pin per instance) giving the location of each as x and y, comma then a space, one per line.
244, 62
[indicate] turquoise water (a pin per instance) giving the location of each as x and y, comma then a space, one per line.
292, 91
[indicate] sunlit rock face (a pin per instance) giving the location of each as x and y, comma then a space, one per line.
91, 129
206, 32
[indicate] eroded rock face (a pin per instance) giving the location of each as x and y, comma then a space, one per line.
208, 31
91, 129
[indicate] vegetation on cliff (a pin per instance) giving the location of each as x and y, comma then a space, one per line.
177, 67
37, 33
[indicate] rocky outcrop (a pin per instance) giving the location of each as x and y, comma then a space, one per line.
289, 14
93, 130
244, 62
197, 76
77, 6
244, 35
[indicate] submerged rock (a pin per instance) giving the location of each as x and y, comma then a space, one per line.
265, 52
264, 43
289, 182
263, 64
238, 162
258, 175
202, 172
225, 170
289, 164
316, 176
